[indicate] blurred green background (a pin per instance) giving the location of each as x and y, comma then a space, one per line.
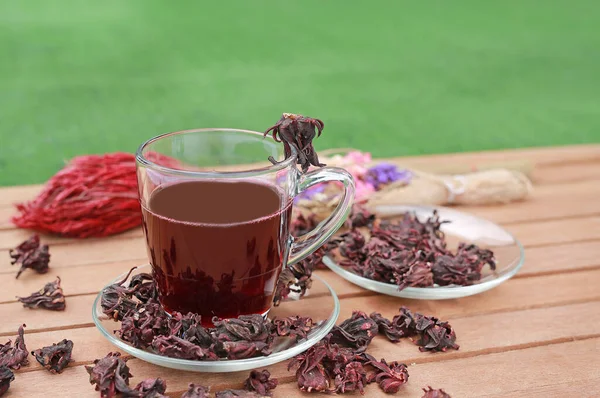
390, 77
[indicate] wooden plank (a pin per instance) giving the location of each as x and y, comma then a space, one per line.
547, 202
517, 294
567, 173
558, 258
478, 336
15, 194
530, 234
542, 157
77, 280
87, 252
557, 231
482, 334
13, 237
561, 370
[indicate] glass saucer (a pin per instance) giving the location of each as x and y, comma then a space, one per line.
325, 312
463, 227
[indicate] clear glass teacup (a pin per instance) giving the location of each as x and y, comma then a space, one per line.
216, 217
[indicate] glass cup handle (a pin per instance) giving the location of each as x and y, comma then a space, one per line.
303, 246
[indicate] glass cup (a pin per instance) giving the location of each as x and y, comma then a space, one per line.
216, 218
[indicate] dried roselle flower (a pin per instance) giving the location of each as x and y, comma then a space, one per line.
293, 279
31, 255
386, 327
175, 347
297, 326
244, 328
189, 327
419, 275
284, 286
356, 331
149, 388
50, 297
6, 377
117, 300
298, 131
195, 391
110, 375
243, 349
303, 223
446, 271
431, 393
139, 328
352, 378
390, 377
434, 335
438, 337
351, 243
405, 322
15, 356
360, 217
260, 382
144, 287
55, 357
238, 394
310, 373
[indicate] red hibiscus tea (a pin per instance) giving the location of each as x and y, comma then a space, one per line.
216, 247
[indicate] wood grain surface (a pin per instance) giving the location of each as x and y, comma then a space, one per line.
537, 335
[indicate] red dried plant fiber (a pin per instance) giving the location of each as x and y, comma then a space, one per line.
92, 196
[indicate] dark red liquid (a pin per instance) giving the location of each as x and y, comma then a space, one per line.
216, 248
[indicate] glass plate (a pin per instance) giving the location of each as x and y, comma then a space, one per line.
325, 311
463, 227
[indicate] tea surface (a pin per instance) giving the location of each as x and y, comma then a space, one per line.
216, 247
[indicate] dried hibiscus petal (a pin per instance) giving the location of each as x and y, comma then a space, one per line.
298, 131
15, 356
149, 388
431, 393
352, 378
356, 331
142, 326
6, 377
30, 254
50, 297
143, 287
390, 377
293, 279
175, 347
244, 349
110, 375
418, 275
405, 322
433, 334
55, 357
261, 382
297, 326
195, 391
117, 300
238, 394
310, 374
244, 328
387, 327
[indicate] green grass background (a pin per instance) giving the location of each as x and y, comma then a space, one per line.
390, 77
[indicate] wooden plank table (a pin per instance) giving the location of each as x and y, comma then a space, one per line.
538, 335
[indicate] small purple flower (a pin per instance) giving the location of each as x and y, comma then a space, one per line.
309, 193
386, 173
